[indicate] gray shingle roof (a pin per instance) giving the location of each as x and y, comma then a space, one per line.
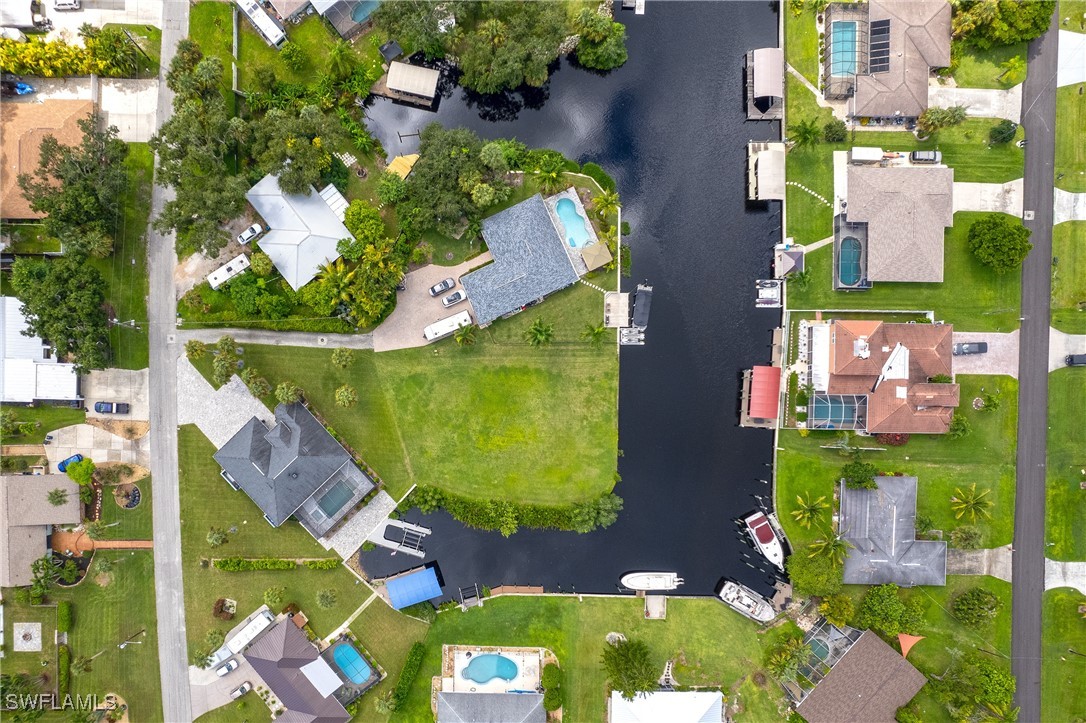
490, 708
881, 526
25, 512
278, 657
529, 261
283, 467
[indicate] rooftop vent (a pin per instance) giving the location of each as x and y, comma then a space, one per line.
861, 349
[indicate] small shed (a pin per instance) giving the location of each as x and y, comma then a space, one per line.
391, 50
412, 79
595, 256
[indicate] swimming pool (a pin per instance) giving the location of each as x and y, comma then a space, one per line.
832, 412
575, 226
334, 499
363, 10
351, 662
848, 262
842, 50
484, 668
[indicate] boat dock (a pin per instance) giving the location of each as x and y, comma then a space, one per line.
638, 6
400, 536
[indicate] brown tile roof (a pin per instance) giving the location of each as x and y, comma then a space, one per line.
24, 514
868, 684
919, 41
23, 126
907, 210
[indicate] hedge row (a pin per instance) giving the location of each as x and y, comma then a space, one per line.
240, 564
408, 673
64, 616
601, 177
507, 516
64, 669
329, 564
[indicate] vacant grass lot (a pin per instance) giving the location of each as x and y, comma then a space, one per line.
1063, 675
986, 456
984, 68
971, 296
1070, 150
387, 635
1066, 459
482, 421
711, 645
50, 418
1069, 277
210, 25
149, 40
134, 524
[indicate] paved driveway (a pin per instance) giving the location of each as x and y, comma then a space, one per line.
416, 309
979, 102
209, 691
97, 444
989, 197
1068, 206
1065, 574
99, 12
1071, 67
128, 103
117, 385
1001, 358
219, 413
1060, 345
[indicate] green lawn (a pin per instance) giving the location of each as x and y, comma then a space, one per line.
125, 270
50, 418
510, 403
801, 44
972, 296
387, 635
43, 662
149, 40
1075, 11
711, 645
941, 464
134, 524
30, 238
1070, 150
1066, 459
983, 68
1069, 277
1063, 672
210, 25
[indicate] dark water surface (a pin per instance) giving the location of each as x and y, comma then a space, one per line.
670, 127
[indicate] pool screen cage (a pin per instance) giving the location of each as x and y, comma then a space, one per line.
828, 644
837, 411
845, 57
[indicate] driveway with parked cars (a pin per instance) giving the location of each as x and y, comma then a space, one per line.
117, 385
209, 691
416, 308
1001, 357
1061, 346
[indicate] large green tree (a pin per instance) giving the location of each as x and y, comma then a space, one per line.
999, 242
629, 667
603, 41
987, 23
418, 24
63, 302
365, 224
296, 146
513, 45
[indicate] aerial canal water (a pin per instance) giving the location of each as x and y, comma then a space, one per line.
670, 127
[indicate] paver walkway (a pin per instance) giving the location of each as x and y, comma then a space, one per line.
979, 102
63, 541
1060, 345
1065, 574
1067, 206
994, 561
219, 413
97, 444
989, 197
348, 538
1001, 358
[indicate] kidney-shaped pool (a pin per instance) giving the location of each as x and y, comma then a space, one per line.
484, 668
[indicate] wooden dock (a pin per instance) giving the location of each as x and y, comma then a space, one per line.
639, 7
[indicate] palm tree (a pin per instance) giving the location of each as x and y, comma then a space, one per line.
970, 503
83, 664
1014, 68
493, 31
465, 335
58, 497
551, 169
805, 133
340, 60
539, 333
834, 548
800, 279
605, 204
339, 279
808, 510
594, 334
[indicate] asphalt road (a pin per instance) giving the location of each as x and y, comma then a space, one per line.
169, 593
278, 338
1028, 568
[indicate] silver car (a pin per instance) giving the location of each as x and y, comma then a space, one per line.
441, 287
454, 298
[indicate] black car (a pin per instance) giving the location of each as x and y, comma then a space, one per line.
1075, 360
972, 347
442, 287
111, 408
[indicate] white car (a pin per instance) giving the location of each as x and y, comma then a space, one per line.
241, 690
226, 667
65, 4
250, 233
454, 298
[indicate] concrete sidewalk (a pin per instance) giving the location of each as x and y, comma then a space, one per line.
278, 338
978, 102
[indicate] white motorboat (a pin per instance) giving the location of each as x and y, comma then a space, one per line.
765, 538
651, 580
746, 602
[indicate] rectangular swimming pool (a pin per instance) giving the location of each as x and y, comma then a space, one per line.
333, 500
842, 49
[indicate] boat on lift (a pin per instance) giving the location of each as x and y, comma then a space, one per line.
651, 580
745, 601
765, 538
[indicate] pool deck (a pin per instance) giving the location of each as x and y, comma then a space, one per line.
574, 253
454, 658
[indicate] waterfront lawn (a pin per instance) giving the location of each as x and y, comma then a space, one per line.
801, 43
125, 270
986, 456
134, 524
1069, 277
387, 635
1070, 150
482, 421
210, 26
1066, 459
105, 616
984, 68
1062, 672
49, 418
30, 663
971, 296
712, 646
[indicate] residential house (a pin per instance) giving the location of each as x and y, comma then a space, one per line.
490, 707
23, 126
668, 705
880, 526
30, 370
294, 469
27, 518
876, 377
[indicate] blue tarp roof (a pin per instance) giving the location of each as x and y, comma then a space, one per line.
413, 587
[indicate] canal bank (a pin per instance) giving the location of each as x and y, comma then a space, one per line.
671, 127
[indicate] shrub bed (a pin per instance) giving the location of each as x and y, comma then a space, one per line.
64, 616
329, 564
507, 516
64, 669
240, 564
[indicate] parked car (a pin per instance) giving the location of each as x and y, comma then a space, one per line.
226, 667
972, 347
112, 407
66, 4
454, 298
63, 466
1075, 360
250, 233
241, 690
931, 157
442, 286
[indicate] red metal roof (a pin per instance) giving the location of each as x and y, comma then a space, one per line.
765, 393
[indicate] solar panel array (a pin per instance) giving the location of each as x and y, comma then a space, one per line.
878, 60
